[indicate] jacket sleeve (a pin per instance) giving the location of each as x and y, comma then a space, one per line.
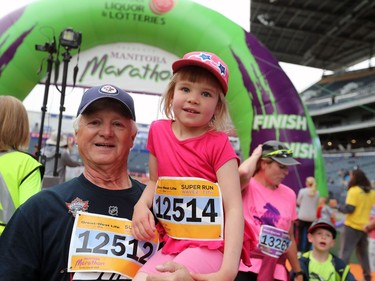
19, 260
349, 276
346, 209
69, 161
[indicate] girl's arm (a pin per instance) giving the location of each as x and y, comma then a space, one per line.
143, 224
247, 167
229, 183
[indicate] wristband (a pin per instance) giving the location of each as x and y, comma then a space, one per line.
298, 273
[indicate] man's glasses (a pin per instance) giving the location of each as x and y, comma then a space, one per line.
282, 153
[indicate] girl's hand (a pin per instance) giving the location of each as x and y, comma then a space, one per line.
143, 224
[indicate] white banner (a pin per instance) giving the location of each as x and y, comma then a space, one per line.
133, 67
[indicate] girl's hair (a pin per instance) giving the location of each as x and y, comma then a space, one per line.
358, 178
221, 121
14, 127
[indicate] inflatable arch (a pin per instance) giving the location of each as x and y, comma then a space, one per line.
263, 102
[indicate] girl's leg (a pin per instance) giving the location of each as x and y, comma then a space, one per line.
200, 260
149, 266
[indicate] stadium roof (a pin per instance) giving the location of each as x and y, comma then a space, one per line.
331, 34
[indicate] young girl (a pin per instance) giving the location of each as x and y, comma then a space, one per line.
194, 186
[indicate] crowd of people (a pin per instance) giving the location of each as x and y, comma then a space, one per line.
356, 227
203, 215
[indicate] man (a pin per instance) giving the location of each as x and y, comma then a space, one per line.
77, 230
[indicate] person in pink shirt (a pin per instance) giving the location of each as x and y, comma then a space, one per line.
270, 214
370, 229
194, 186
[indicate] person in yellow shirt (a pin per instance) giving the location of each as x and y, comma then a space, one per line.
359, 200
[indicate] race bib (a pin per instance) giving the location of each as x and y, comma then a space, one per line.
273, 241
189, 208
105, 244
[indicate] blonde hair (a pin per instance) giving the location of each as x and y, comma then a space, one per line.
221, 120
14, 128
311, 183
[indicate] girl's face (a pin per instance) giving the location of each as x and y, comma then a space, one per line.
194, 103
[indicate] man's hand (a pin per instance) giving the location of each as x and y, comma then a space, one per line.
171, 271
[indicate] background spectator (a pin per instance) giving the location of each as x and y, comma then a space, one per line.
269, 207
64, 160
359, 201
307, 202
20, 173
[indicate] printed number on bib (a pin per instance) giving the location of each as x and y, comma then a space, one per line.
189, 208
273, 241
105, 244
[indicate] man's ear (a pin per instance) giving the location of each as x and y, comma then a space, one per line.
76, 137
133, 139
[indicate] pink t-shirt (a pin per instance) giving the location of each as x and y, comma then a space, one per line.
263, 206
195, 157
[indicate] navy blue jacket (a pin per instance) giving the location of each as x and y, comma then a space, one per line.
342, 269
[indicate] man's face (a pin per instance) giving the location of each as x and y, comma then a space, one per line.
105, 137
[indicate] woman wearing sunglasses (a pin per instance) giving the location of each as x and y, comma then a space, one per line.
270, 214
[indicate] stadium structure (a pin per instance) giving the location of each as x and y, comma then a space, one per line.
331, 35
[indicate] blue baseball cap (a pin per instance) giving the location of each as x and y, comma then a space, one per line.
107, 91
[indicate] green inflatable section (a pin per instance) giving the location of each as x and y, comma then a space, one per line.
185, 27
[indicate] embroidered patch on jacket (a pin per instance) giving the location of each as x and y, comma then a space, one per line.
77, 205
113, 210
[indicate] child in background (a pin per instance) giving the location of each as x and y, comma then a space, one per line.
324, 210
307, 202
320, 263
194, 185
